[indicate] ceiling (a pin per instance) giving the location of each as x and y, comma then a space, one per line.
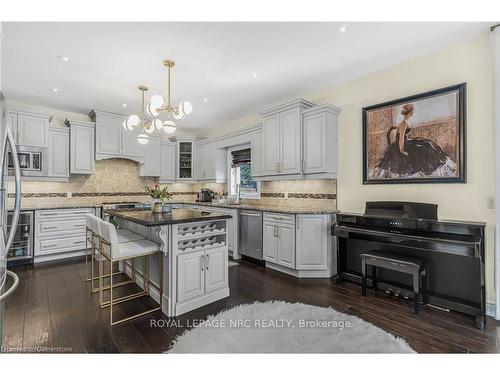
239, 68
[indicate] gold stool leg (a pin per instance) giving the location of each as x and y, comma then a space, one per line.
111, 293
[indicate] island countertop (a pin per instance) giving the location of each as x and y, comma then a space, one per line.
177, 216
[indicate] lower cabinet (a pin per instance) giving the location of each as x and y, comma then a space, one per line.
201, 272
60, 233
300, 245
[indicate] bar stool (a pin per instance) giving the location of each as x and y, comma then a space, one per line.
93, 248
114, 251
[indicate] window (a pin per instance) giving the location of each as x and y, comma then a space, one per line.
240, 173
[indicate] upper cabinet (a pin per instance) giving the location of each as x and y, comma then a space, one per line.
113, 141
81, 149
298, 140
282, 139
256, 143
152, 158
320, 141
186, 160
167, 162
29, 129
58, 153
211, 162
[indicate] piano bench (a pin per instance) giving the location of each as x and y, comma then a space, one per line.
397, 262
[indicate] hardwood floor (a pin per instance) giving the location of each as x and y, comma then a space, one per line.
53, 308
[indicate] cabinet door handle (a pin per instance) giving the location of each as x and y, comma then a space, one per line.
202, 263
278, 231
207, 257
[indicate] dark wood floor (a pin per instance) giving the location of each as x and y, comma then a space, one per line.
53, 307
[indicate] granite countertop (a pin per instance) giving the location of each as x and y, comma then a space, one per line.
267, 208
177, 216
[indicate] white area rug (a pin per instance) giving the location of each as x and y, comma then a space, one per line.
280, 327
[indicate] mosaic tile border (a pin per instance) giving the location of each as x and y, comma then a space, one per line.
272, 195
88, 195
312, 196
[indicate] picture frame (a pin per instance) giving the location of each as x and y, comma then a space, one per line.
416, 139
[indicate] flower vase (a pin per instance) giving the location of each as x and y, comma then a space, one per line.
157, 207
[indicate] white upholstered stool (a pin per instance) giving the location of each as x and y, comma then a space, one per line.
114, 251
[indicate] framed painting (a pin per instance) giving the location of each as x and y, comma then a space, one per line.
417, 139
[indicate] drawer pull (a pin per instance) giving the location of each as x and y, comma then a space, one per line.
53, 227
51, 245
78, 242
49, 214
80, 225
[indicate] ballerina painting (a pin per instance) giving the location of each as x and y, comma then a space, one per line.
416, 139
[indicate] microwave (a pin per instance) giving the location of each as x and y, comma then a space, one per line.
32, 161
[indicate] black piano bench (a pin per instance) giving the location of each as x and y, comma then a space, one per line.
396, 262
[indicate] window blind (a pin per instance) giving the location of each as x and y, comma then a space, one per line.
241, 157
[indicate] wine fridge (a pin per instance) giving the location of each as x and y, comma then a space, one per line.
21, 250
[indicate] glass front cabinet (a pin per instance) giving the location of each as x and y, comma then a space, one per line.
185, 160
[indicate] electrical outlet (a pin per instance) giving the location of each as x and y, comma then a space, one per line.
491, 203
69, 194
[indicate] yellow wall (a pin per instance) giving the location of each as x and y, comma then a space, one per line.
467, 62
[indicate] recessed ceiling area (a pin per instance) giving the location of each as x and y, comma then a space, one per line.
226, 70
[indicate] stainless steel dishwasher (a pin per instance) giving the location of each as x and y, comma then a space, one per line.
250, 234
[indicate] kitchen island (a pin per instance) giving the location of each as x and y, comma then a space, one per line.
195, 255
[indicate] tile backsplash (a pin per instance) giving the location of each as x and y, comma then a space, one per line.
117, 180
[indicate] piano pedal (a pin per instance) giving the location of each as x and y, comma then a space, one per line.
406, 296
397, 292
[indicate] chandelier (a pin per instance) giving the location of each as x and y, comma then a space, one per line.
158, 104
146, 126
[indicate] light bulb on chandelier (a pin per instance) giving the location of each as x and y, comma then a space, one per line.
143, 139
169, 127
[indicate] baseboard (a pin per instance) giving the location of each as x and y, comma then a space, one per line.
184, 307
491, 310
154, 290
301, 273
58, 256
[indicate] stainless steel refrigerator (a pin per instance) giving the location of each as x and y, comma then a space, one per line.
7, 232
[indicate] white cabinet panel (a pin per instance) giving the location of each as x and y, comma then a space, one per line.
108, 139
152, 159
312, 242
32, 130
286, 245
314, 144
216, 275
58, 153
190, 276
257, 153
270, 242
271, 144
82, 148
210, 150
167, 163
201, 162
291, 142
131, 148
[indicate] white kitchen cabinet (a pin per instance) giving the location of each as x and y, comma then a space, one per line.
320, 141
257, 153
112, 140
282, 139
191, 275
200, 273
152, 158
270, 242
312, 242
211, 163
58, 153
167, 162
216, 276
286, 245
186, 160
132, 149
60, 233
81, 150
109, 140
29, 129
271, 134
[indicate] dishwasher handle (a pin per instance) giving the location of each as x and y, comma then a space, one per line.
252, 214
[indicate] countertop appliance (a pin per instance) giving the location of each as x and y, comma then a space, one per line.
123, 205
32, 161
7, 232
250, 234
453, 250
205, 195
